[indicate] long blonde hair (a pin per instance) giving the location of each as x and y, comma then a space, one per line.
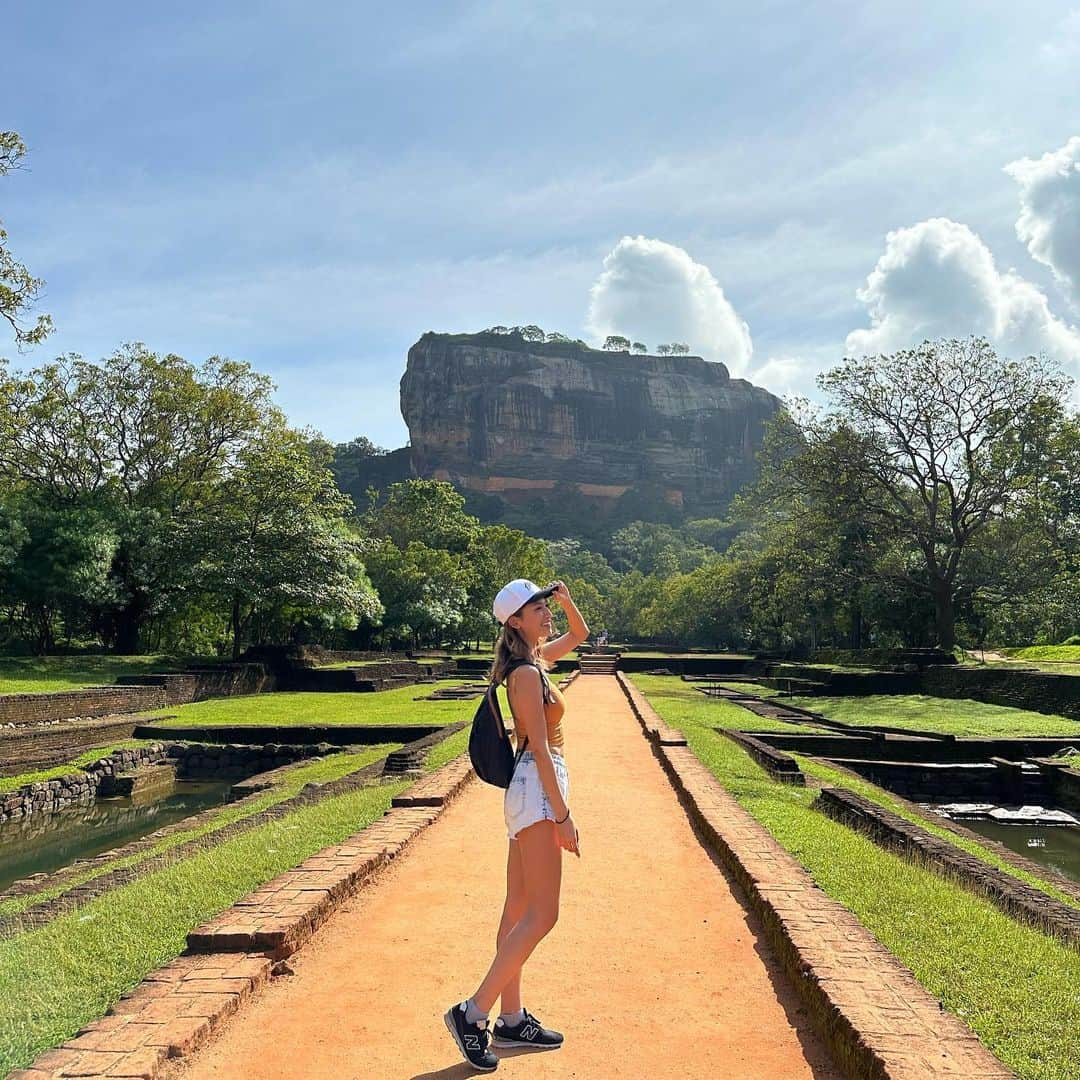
511, 646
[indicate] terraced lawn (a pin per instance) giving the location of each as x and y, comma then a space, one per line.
45, 674
398, 706
950, 716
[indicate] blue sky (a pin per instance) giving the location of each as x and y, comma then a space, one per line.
309, 187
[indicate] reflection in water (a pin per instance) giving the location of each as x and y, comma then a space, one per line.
43, 843
1055, 846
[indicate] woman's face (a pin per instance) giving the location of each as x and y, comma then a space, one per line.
533, 621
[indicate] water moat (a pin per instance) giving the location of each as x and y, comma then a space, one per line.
46, 842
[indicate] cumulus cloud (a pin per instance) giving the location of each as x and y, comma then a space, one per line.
654, 292
938, 279
1049, 221
786, 376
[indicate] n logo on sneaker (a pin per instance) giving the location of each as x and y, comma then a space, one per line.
472, 1042
530, 1031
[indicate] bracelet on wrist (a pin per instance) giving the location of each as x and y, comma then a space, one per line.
559, 821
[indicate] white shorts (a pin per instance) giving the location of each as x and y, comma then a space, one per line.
526, 802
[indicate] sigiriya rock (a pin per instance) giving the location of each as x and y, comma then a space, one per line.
498, 414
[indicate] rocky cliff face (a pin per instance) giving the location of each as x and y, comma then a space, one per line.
498, 414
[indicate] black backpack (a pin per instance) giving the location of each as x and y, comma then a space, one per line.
492, 757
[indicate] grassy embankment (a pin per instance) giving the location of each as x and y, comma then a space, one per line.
1015, 986
10, 783
950, 716
58, 978
1053, 659
1061, 653
398, 706
960, 717
44, 674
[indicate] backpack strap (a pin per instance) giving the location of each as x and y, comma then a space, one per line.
545, 681
546, 692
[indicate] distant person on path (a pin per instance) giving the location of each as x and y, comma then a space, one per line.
537, 815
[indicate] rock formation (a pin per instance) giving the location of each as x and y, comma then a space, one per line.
498, 414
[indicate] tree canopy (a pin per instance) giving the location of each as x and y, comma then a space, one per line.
19, 289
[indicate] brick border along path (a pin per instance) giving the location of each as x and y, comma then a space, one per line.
878, 1018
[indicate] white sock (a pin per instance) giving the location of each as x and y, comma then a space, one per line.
473, 1013
512, 1019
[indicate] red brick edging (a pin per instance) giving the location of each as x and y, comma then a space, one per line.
175, 1008
879, 1021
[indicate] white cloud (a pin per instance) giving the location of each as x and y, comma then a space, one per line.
654, 292
1064, 46
1049, 221
938, 279
785, 376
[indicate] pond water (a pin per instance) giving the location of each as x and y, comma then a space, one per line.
1054, 846
44, 843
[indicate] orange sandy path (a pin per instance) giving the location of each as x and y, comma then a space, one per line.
654, 970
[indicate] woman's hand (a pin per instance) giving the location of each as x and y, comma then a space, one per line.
568, 835
561, 593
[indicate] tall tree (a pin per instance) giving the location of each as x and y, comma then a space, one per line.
146, 437
19, 289
940, 441
429, 511
273, 536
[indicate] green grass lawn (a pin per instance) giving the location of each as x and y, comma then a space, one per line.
56, 979
950, 716
690, 705
396, 706
42, 674
1051, 667
1016, 987
1043, 652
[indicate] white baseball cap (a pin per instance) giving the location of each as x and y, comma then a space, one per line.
516, 595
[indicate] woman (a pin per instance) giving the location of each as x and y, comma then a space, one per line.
537, 815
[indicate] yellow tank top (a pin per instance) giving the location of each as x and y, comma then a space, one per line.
554, 710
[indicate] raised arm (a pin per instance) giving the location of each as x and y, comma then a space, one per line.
578, 632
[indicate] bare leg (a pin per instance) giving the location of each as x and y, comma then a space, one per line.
513, 910
541, 863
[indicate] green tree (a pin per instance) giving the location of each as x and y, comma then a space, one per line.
498, 554
656, 548
143, 437
424, 591
274, 539
639, 347
698, 608
616, 343
55, 564
19, 289
940, 441
430, 511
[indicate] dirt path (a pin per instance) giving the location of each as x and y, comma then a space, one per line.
654, 970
